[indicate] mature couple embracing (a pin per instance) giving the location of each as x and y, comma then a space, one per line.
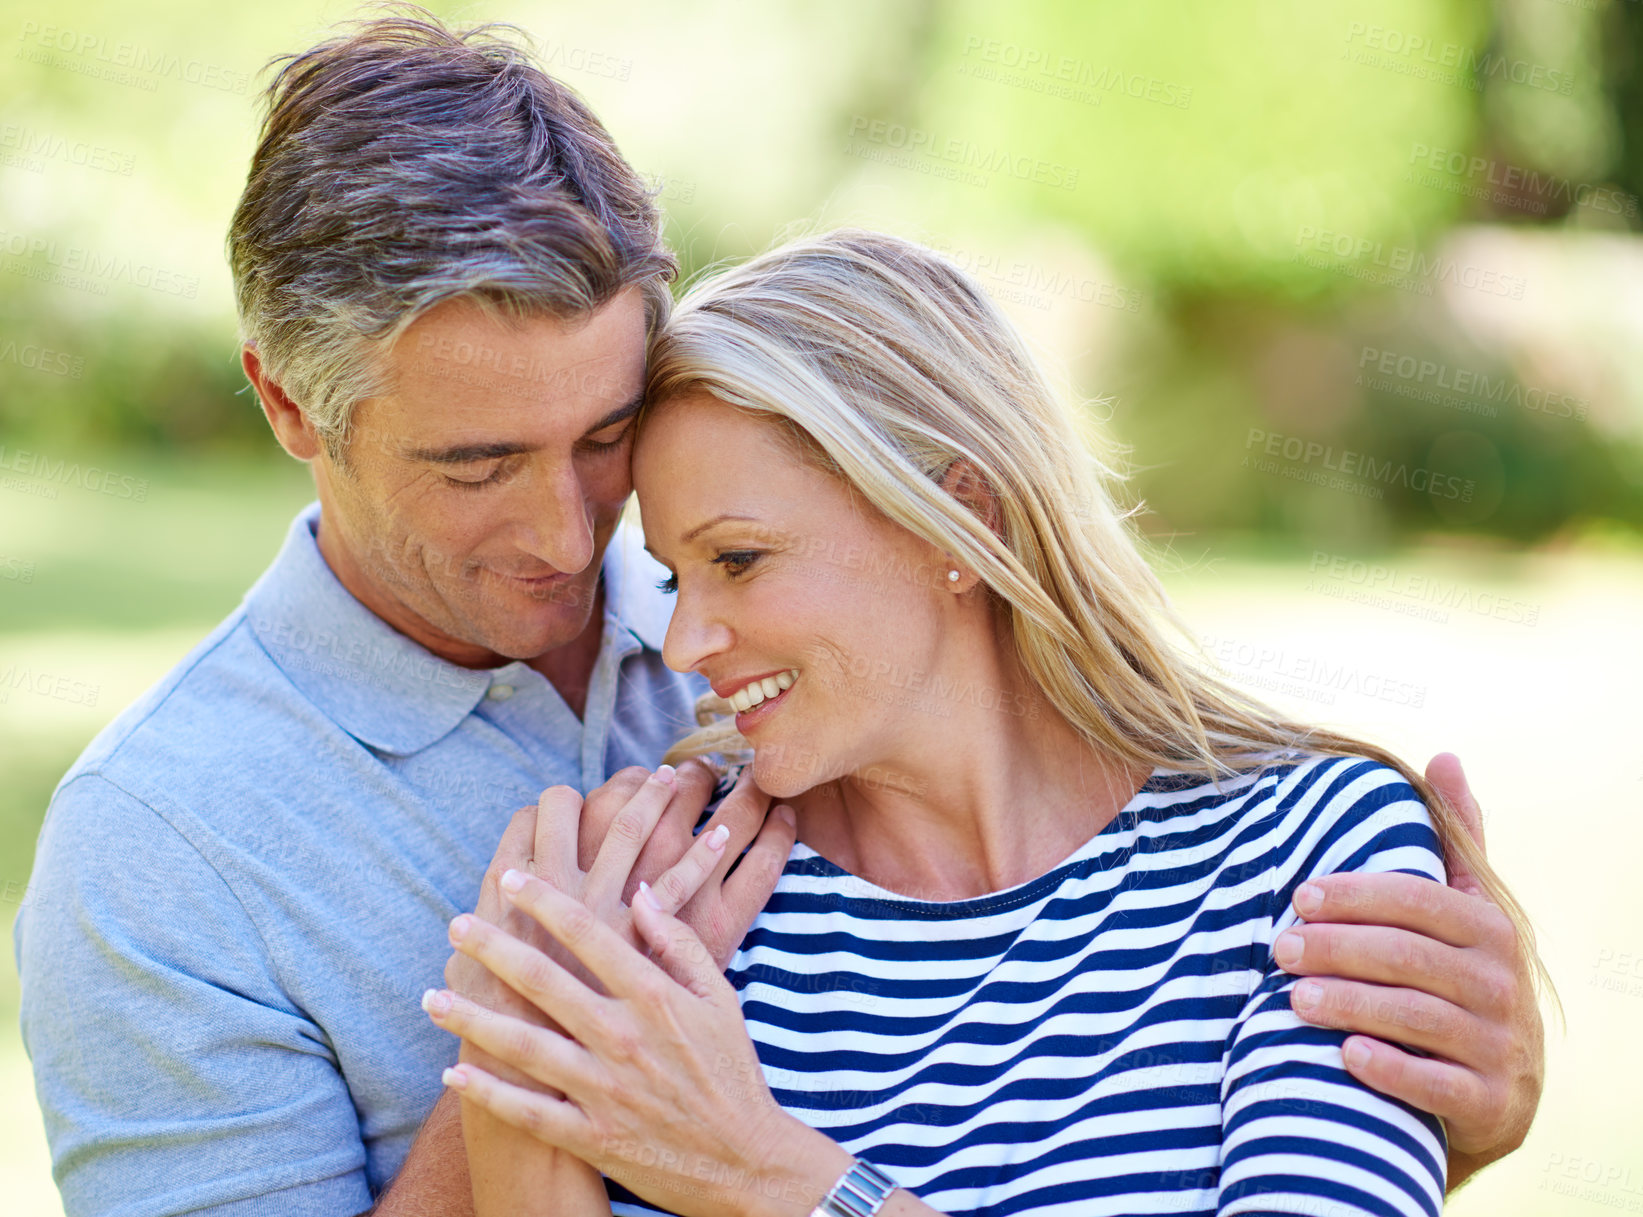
965, 888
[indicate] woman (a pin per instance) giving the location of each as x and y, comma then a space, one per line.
1020, 959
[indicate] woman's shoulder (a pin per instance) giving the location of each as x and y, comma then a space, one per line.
1345, 813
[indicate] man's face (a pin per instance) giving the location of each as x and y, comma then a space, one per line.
479, 494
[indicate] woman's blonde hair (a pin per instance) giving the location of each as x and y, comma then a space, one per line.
888, 365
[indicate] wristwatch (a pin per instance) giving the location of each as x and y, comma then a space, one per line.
860, 1192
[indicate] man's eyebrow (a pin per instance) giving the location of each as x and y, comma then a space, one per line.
464, 453
619, 415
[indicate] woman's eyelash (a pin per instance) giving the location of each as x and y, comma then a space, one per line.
734, 561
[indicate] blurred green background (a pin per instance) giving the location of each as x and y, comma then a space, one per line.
1359, 287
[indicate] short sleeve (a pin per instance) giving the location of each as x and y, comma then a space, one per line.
173, 1072
1299, 1133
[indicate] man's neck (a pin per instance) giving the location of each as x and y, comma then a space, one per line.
568, 668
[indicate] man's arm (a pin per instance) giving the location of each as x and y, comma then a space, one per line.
173, 1072
1400, 958
433, 1181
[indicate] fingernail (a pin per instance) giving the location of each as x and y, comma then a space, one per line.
1309, 898
1308, 993
512, 880
436, 1001
648, 896
455, 1079
460, 925
1287, 950
665, 775
717, 838
1356, 1054
784, 813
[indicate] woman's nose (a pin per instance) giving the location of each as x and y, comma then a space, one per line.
694, 635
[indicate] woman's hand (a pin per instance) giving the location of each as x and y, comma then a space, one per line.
662, 1088
637, 826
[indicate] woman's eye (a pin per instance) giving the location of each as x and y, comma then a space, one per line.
668, 586
736, 561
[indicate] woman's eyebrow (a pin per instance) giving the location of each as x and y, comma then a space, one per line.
719, 519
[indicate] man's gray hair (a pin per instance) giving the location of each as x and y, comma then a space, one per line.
407, 164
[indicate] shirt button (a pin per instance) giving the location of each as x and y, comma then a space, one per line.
500, 692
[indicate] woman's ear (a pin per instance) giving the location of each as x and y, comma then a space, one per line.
966, 484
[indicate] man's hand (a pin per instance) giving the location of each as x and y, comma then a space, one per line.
1401, 958
621, 838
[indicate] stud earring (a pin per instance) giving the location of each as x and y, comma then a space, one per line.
952, 576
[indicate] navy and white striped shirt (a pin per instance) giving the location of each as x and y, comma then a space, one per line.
1111, 1037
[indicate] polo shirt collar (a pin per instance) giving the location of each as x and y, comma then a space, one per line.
379, 686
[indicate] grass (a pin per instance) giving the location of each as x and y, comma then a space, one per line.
1426, 658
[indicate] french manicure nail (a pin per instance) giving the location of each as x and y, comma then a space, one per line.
717, 838
460, 926
648, 896
665, 774
511, 880
454, 1078
436, 1001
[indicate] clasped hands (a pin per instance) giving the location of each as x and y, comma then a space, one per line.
590, 996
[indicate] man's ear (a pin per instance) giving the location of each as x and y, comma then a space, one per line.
965, 484
291, 426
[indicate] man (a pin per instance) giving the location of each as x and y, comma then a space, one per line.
446, 275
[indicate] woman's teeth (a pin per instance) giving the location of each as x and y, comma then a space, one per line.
755, 692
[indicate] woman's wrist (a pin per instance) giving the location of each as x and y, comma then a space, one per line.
800, 1166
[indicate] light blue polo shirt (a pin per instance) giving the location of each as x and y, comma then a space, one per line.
242, 888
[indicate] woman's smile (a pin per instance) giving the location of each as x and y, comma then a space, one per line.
746, 695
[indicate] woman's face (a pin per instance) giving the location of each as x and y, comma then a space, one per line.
790, 585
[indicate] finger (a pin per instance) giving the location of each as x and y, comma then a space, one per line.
600, 809
531, 974
747, 891
558, 813
743, 811
540, 1054
513, 850
678, 951
680, 882
1447, 777
557, 1122
627, 836
600, 949
675, 832
1451, 1092
1405, 902
1392, 1013
1390, 957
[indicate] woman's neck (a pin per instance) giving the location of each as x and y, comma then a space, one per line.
993, 798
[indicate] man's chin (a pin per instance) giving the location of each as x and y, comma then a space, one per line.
535, 629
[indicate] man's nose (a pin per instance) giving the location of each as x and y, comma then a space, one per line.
557, 528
